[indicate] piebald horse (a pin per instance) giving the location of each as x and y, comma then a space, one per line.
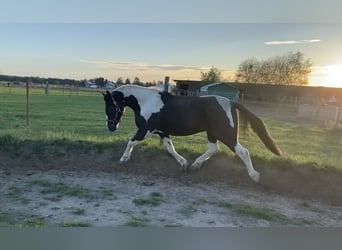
165, 114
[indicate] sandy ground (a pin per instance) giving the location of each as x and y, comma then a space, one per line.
93, 189
117, 199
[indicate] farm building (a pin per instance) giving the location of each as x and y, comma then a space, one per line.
222, 89
198, 88
188, 87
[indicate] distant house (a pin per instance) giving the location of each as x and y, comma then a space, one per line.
87, 84
93, 86
110, 85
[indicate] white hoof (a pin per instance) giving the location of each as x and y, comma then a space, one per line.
124, 158
196, 165
184, 164
255, 176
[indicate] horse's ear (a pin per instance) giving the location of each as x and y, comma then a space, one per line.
108, 93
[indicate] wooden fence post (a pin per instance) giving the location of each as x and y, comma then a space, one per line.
338, 115
166, 84
27, 106
9, 87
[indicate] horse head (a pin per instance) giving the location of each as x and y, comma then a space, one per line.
114, 109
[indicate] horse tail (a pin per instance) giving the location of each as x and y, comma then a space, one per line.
258, 127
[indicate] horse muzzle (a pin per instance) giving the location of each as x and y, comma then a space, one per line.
112, 127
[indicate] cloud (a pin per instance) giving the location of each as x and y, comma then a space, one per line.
138, 66
113, 69
289, 42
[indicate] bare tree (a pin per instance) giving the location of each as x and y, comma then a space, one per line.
291, 69
248, 70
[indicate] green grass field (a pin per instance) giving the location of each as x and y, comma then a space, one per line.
76, 121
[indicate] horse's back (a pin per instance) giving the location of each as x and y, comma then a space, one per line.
188, 115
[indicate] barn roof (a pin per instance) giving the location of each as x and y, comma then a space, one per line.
222, 89
205, 87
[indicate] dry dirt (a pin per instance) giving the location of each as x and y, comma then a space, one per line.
98, 191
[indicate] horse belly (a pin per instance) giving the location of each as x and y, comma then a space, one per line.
181, 126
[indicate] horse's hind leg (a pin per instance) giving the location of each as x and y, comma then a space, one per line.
212, 149
229, 136
244, 156
169, 145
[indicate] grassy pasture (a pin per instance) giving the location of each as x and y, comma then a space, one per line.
77, 123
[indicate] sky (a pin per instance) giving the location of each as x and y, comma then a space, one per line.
153, 39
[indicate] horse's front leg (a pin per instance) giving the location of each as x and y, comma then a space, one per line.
139, 136
127, 154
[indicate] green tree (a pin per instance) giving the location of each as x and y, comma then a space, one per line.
100, 81
213, 75
119, 81
136, 81
128, 81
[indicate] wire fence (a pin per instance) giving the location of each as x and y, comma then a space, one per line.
289, 108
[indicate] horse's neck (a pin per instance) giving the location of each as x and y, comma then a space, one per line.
142, 95
148, 100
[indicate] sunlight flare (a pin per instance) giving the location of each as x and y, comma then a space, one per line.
333, 76
327, 76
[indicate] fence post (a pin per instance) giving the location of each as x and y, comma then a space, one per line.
338, 115
27, 106
317, 112
166, 84
47, 88
9, 87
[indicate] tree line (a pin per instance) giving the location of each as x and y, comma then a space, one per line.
100, 81
39, 80
288, 69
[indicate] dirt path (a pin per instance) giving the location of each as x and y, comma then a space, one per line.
85, 190
54, 198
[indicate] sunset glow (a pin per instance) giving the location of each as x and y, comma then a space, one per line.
151, 51
333, 76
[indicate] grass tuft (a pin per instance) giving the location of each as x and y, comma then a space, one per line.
79, 211
34, 221
136, 221
68, 223
14, 192
260, 213
60, 189
153, 200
